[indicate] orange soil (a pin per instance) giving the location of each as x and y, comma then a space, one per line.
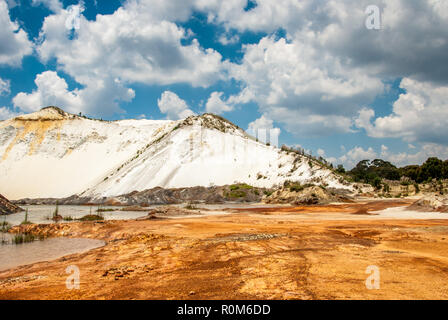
254, 254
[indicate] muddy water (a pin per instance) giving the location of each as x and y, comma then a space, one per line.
12, 255
41, 214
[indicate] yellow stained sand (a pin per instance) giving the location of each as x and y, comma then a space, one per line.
38, 128
313, 252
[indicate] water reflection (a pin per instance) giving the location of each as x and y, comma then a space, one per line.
12, 255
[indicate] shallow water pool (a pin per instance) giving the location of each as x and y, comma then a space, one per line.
12, 255
41, 214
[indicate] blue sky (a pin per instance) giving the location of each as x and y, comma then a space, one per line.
310, 69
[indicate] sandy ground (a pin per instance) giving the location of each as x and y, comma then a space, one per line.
319, 252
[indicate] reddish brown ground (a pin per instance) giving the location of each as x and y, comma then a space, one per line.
281, 253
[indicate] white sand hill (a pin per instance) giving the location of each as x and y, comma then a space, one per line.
51, 153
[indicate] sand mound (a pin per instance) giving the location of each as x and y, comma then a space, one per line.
7, 207
305, 195
432, 203
172, 211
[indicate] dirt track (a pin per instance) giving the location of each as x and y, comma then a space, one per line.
281, 253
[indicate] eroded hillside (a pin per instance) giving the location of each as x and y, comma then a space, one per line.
54, 154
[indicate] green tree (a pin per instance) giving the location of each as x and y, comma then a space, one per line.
445, 170
376, 183
340, 169
412, 172
431, 169
384, 169
359, 173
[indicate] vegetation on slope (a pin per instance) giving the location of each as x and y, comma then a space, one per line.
372, 172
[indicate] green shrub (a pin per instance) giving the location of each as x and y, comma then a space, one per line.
26, 222
237, 194
5, 226
240, 186
23, 238
105, 210
191, 206
92, 217
293, 186
376, 183
340, 169
296, 188
56, 210
417, 188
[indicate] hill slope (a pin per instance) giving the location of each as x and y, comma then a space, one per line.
56, 154
51, 153
7, 207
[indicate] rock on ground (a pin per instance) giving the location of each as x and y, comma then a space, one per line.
162, 196
7, 207
308, 195
431, 202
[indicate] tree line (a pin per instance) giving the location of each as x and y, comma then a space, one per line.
374, 171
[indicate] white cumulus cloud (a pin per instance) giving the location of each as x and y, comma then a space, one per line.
353, 156
53, 90
136, 44
406, 158
14, 40
216, 105
263, 129
6, 113
4, 87
291, 84
53, 5
173, 106
420, 114
329, 65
